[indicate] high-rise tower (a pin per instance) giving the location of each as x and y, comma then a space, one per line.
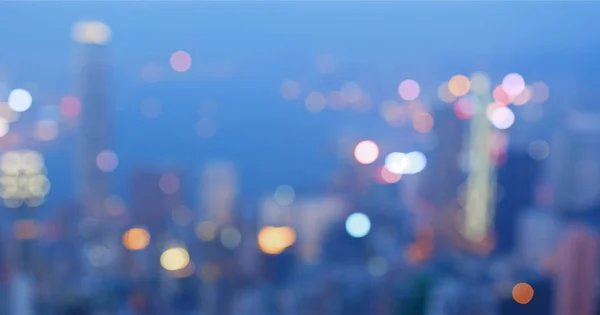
92, 92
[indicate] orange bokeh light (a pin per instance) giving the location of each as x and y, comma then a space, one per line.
136, 239
459, 85
522, 293
423, 122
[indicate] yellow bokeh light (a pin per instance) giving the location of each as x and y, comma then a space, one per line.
459, 85
274, 240
175, 258
136, 239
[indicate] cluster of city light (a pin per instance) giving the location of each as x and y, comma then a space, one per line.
274, 240
358, 225
468, 92
23, 178
405, 163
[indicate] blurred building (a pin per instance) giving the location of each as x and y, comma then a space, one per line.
218, 191
443, 173
576, 274
575, 162
537, 234
153, 197
516, 182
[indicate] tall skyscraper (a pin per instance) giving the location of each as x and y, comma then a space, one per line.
577, 271
92, 89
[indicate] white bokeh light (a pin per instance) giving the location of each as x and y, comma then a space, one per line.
358, 225
396, 162
416, 162
502, 117
19, 100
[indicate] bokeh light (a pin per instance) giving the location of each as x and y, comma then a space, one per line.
152, 72
366, 152
230, 237
114, 205
4, 127
539, 92
377, 266
180, 61
502, 117
26, 229
522, 293
501, 97
351, 92
358, 225
7, 113
388, 177
175, 258
206, 231
423, 122
136, 238
290, 90
538, 150
169, 183
409, 90
480, 83
444, 93
107, 161
464, 108
396, 162
393, 113
284, 195
416, 162
459, 85
182, 215
274, 240
19, 100
513, 84
523, 97
315, 102
44, 130
70, 106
